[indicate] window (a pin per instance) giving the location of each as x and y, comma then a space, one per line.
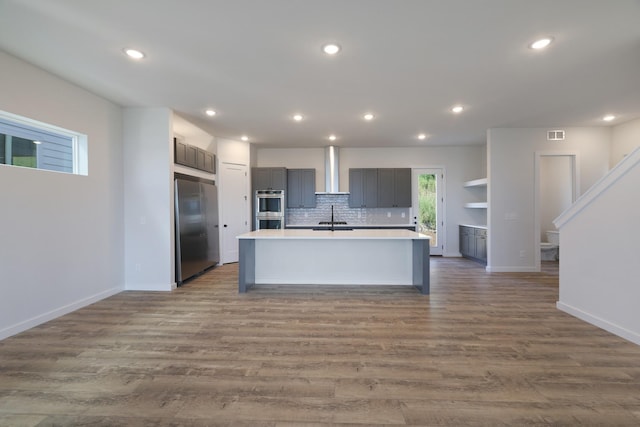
27, 143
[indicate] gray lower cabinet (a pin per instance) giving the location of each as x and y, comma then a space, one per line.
363, 188
473, 243
269, 178
301, 188
394, 188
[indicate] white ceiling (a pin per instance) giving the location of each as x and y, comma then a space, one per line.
257, 62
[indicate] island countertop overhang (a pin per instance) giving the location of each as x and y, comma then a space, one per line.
284, 234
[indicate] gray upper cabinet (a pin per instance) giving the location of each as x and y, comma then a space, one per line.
185, 154
206, 161
269, 178
394, 188
363, 188
194, 157
301, 188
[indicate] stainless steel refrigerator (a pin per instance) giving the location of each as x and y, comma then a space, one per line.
197, 228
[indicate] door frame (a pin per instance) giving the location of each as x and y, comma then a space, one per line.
440, 206
575, 178
224, 197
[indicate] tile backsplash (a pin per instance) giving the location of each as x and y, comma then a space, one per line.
342, 212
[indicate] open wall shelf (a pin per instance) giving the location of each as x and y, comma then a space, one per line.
477, 205
482, 182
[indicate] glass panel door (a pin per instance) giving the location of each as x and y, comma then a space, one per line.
428, 199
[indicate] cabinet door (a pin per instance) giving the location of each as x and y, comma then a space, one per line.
467, 242
309, 188
386, 188
394, 188
402, 187
356, 188
209, 162
363, 188
294, 189
278, 179
201, 159
464, 240
180, 153
481, 244
191, 156
301, 188
260, 179
370, 188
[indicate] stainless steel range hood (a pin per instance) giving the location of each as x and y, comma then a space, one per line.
331, 171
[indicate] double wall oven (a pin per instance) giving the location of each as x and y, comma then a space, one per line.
269, 209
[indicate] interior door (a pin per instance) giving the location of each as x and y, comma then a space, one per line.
234, 207
428, 202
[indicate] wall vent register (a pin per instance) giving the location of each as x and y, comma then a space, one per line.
555, 135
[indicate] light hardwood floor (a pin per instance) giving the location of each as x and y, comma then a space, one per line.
482, 349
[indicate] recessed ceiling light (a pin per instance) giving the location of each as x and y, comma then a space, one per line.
297, 117
541, 43
210, 112
134, 54
422, 136
609, 117
331, 48
332, 137
457, 109
244, 138
368, 116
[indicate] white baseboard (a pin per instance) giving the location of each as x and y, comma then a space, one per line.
632, 336
452, 254
50, 315
166, 287
492, 269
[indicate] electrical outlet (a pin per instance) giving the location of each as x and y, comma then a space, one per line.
388, 214
138, 267
402, 214
522, 253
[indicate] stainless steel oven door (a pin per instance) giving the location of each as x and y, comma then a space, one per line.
269, 203
269, 223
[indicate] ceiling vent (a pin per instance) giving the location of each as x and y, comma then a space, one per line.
555, 135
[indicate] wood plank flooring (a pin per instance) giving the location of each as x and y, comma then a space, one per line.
483, 349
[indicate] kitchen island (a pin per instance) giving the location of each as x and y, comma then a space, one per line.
341, 257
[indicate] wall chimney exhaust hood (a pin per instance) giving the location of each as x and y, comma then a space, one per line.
332, 171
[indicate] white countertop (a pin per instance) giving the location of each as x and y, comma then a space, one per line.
484, 227
349, 225
336, 235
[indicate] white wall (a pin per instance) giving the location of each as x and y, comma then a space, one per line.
599, 253
62, 235
231, 151
625, 138
148, 211
511, 159
296, 158
460, 163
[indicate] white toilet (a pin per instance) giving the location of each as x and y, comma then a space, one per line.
549, 250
